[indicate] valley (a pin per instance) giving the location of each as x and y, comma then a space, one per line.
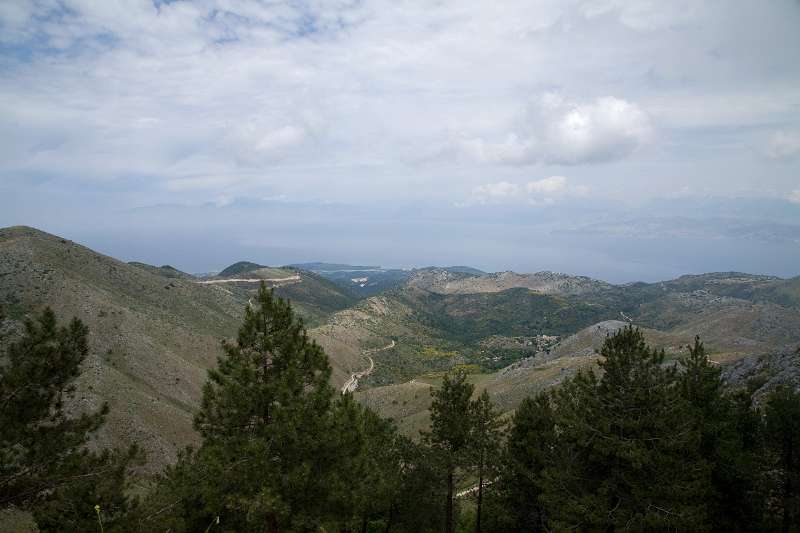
155, 331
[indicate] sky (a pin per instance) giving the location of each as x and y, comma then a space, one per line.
635, 140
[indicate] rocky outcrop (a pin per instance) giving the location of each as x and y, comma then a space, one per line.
765, 373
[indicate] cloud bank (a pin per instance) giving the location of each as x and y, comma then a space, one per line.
521, 104
556, 131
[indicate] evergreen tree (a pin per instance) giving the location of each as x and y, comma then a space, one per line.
529, 449
726, 446
44, 465
266, 460
783, 440
366, 483
450, 431
423, 475
485, 443
626, 456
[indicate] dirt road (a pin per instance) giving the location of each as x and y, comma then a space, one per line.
352, 383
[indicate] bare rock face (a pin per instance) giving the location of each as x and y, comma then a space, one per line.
447, 282
766, 372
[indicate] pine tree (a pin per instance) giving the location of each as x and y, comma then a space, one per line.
44, 465
450, 431
485, 443
627, 457
266, 460
422, 475
367, 470
783, 440
726, 445
529, 449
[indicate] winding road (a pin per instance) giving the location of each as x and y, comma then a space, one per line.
352, 383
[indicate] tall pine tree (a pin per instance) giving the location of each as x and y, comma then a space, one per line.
627, 455
266, 459
783, 441
529, 449
729, 452
450, 432
485, 437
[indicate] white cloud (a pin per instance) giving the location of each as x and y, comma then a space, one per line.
280, 139
500, 189
794, 196
537, 192
783, 145
644, 15
554, 130
283, 95
553, 184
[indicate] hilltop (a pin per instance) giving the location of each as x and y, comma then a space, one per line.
470, 281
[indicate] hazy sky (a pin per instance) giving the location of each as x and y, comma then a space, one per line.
623, 140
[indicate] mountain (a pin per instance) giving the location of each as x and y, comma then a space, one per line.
314, 297
154, 331
541, 337
465, 270
152, 337
333, 267
238, 268
466, 281
763, 373
360, 281
166, 271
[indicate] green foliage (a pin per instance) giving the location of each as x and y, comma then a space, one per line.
44, 465
469, 317
626, 456
484, 443
239, 268
279, 452
451, 428
529, 449
782, 419
91, 480
272, 374
642, 445
450, 422
264, 418
315, 298
729, 443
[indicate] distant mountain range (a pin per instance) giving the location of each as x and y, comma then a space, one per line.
156, 330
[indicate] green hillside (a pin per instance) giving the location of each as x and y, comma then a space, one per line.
238, 268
